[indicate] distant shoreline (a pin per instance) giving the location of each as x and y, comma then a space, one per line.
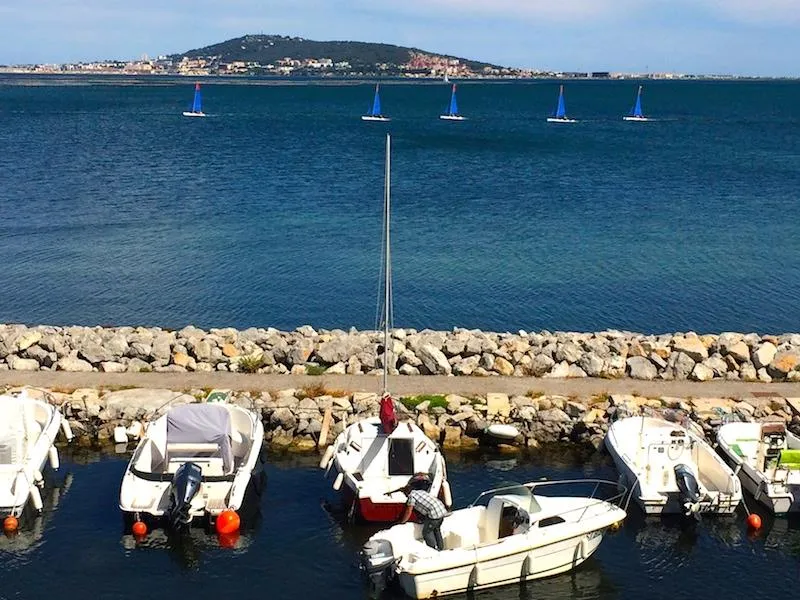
10, 76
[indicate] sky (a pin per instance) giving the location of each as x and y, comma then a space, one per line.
740, 37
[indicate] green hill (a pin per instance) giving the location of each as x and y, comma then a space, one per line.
267, 49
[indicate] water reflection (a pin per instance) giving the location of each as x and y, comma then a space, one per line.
33, 526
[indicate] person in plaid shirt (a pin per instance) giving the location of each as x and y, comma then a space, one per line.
430, 511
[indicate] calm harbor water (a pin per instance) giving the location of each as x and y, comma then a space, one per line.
116, 210
295, 546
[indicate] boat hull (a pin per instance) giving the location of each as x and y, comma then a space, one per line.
636, 119
557, 120
452, 118
493, 571
193, 114
376, 119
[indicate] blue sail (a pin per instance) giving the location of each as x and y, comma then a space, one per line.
561, 110
637, 109
376, 104
196, 103
453, 110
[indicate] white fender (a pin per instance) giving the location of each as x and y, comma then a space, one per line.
447, 495
66, 429
337, 483
38, 478
36, 496
53, 453
120, 435
326, 458
584, 547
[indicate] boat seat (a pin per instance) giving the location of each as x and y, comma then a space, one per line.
789, 459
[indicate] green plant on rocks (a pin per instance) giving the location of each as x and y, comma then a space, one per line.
251, 364
436, 400
315, 369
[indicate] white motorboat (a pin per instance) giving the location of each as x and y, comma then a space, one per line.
374, 458
194, 461
767, 459
670, 469
28, 429
523, 532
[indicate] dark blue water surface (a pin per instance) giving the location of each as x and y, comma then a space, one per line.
296, 546
114, 209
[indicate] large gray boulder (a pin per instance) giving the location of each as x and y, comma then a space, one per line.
640, 367
434, 360
73, 364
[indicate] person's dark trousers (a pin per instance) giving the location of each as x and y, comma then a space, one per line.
432, 533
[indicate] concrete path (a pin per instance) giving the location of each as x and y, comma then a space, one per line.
401, 385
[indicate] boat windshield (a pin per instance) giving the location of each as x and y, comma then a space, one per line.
515, 492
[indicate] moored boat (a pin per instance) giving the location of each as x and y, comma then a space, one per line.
560, 116
670, 469
28, 430
375, 113
523, 532
374, 459
766, 457
195, 461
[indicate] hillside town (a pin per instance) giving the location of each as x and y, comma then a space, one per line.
419, 65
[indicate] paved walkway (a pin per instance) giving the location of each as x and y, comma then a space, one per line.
401, 385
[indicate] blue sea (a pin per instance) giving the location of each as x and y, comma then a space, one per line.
115, 209
295, 544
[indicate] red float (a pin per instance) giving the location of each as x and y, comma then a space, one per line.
10, 524
227, 522
139, 529
754, 522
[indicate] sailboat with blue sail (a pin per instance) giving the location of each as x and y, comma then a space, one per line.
560, 115
375, 112
636, 112
452, 110
197, 105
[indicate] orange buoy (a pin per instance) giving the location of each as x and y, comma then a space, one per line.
754, 522
228, 540
10, 524
228, 522
139, 529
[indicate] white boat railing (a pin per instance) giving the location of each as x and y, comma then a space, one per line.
614, 499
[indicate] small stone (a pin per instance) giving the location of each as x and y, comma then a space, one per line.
452, 436
28, 339
22, 364
73, 364
229, 350
181, 359
112, 367
434, 360
701, 372
502, 366
739, 351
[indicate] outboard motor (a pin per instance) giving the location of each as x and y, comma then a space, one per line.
688, 487
377, 564
185, 485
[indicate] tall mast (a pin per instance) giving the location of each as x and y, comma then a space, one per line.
387, 268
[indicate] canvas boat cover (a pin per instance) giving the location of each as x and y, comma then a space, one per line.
202, 424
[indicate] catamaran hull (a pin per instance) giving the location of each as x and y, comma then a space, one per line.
375, 119
637, 119
494, 571
452, 118
193, 114
557, 120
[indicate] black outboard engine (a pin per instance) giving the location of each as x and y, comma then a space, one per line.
689, 489
185, 485
377, 565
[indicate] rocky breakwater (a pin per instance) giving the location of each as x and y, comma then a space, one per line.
607, 354
309, 419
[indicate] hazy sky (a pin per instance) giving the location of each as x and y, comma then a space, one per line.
700, 36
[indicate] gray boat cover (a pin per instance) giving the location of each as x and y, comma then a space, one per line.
202, 424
